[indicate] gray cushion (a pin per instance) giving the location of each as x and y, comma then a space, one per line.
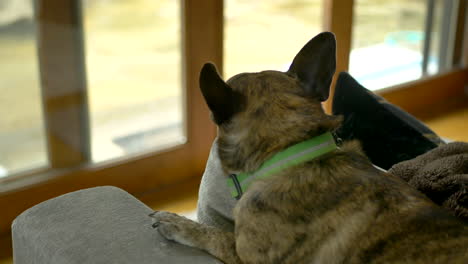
215, 203
97, 225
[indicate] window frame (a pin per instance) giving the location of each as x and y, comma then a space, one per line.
62, 70
164, 171
443, 91
202, 26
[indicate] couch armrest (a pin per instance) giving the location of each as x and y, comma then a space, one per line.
96, 225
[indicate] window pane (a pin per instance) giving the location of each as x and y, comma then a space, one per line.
134, 75
266, 35
22, 137
434, 45
388, 39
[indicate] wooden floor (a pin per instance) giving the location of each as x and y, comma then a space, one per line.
453, 125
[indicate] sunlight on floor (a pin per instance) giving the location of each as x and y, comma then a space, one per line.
453, 125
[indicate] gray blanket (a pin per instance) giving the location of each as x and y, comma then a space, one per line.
442, 175
215, 203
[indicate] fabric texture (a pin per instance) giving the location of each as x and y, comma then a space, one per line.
442, 175
215, 203
97, 225
388, 134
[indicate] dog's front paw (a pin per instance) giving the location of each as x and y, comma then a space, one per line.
176, 228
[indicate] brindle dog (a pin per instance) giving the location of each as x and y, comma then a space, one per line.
336, 208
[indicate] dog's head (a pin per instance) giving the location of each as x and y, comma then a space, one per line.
261, 113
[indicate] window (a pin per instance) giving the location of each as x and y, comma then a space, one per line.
133, 55
266, 35
396, 41
22, 138
124, 88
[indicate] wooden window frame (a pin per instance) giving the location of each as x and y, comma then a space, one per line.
60, 49
63, 83
442, 92
151, 173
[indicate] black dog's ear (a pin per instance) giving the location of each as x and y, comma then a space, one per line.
315, 65
220, 98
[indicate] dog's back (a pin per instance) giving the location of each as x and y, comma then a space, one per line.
339, 209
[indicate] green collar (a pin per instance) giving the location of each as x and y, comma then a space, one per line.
296, 154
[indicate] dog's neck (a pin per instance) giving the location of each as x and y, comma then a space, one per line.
294, 155
242, 151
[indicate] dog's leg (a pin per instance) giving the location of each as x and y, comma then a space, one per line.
217, 242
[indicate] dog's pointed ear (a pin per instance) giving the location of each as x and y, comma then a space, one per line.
220, 98
315, 65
